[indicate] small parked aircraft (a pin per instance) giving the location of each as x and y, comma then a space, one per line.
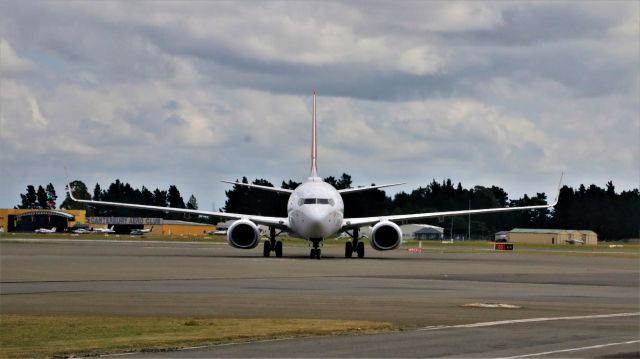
81, 231
105, 229
139, 232
45, 230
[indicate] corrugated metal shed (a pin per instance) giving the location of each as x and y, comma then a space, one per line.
552, 236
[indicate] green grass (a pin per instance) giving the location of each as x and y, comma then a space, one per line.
628, 249
117, 237
65, 335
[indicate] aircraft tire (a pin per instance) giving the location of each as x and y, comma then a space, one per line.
318, 253
348, 250
278, 249
360, 250
267, 249
312, 254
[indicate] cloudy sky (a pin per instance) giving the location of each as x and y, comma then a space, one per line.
189, 93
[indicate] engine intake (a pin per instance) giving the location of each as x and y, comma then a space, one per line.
386, 236
243, 234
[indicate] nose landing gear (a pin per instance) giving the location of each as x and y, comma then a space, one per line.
315, 251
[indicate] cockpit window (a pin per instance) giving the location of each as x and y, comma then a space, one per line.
316, 201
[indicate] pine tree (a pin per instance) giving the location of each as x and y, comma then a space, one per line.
97, 192
174, 198
192, 203
42, 198
28, 200
51, 196
159, 198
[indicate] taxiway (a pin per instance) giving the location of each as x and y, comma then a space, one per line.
424, 293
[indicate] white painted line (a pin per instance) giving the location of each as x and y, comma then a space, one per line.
528, 320
491, 305
572, 349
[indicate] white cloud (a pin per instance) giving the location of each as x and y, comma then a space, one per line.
190, 93
419, 61
36, 115
11, 64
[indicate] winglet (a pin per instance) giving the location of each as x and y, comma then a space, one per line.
359, 189
558, 191
66, 174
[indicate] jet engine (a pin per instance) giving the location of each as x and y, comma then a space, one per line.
386, 236
243, 234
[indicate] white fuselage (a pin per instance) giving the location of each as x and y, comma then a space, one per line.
315, 209
104, 230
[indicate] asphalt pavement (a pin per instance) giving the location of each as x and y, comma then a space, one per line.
423, 293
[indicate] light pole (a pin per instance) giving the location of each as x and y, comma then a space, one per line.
469, 223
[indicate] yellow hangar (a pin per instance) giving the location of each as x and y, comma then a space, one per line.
28, 220
552, 236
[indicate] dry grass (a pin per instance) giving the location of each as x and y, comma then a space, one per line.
65, 335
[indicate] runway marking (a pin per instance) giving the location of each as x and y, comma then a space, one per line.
492, 305
528, 320
572, 349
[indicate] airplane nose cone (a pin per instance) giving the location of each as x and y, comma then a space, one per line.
316, 220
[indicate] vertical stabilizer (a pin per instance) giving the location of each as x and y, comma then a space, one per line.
314, 142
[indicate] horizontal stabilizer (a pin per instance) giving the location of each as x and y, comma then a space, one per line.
366, 188
266, 188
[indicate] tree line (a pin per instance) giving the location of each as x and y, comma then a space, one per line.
115, 192
40, 199
611, 214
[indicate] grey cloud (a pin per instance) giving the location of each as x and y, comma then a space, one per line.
165, 92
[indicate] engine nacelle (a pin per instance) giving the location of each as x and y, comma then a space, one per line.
243, 234
386, 236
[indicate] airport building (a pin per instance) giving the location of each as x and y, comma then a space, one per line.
154, 226
414, 231
428, 233
550, 236
28, 220
182, 228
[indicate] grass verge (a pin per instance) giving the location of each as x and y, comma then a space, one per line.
609, 249
66, 335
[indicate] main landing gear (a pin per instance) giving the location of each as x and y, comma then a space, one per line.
272, 245
355, 246
315, 252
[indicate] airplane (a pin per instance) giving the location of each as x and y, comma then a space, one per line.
82, 231
45, 230
105, 230
575, 241
315, 212
139, 232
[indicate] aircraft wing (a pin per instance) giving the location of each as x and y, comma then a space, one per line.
366, 188
349, 223
278, 222
266, 188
